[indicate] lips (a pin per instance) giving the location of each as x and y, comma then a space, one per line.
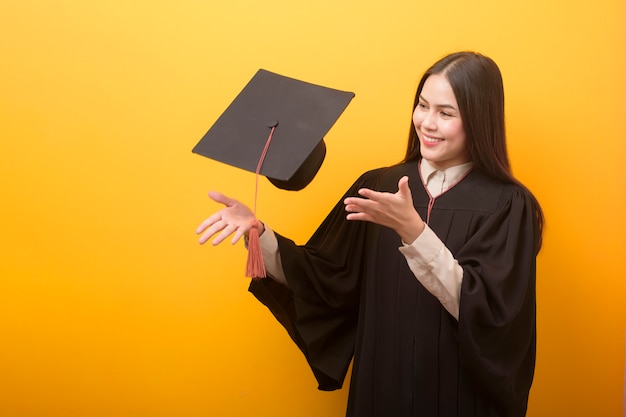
430, 141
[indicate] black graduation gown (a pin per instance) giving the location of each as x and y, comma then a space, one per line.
351, 293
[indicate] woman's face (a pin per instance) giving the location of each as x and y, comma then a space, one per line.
439, 126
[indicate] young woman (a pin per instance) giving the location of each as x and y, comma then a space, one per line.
424, 272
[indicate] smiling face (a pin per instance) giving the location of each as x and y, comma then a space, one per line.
439, 126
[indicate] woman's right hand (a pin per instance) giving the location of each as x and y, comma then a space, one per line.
235, 218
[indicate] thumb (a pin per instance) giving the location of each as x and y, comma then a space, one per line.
403, 187
221, 198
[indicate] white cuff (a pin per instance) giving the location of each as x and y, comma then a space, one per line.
435, 267
271, 256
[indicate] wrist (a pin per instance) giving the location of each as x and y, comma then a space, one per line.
412, 231
260, 230
261, 227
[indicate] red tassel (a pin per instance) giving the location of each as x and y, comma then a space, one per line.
255, 266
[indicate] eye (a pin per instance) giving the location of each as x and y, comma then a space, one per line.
422, 106
445, 114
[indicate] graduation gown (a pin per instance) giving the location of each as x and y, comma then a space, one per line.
352, 295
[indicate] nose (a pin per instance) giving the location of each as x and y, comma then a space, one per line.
428, 120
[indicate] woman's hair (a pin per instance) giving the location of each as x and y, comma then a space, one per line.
477, 85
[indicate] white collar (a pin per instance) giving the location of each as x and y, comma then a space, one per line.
450, 176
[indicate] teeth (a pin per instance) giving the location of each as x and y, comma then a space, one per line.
430, 140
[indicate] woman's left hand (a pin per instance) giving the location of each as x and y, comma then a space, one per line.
395, 211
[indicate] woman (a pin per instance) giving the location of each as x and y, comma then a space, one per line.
428, 281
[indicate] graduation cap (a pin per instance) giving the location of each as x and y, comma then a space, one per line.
297, 114
275, 128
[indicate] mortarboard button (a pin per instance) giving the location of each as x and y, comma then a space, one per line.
301, 113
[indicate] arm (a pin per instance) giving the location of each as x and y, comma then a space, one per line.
271, 256
435, 267
428, 258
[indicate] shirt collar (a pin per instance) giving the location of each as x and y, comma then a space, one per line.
452, 174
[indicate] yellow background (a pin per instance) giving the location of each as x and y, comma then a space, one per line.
108, 305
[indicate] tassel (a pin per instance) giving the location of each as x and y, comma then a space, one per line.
255, 267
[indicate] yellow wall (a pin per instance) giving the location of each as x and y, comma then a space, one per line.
109, 307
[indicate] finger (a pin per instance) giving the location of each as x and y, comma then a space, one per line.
361, 200
212, 230
227, 231
359, 216
358, 204
204, 237
209, 221
238, 234
375, 196
353, 208
351, 201
367, 193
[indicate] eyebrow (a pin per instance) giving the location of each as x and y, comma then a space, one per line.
445, 106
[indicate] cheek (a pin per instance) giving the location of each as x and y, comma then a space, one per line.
455, 130
417, 118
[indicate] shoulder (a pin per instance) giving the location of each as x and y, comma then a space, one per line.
489, 194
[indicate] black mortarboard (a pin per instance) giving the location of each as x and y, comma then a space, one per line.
302, 113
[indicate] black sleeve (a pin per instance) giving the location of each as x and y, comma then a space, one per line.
497, 325
319, 308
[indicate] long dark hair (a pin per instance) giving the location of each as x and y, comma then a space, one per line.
477, 85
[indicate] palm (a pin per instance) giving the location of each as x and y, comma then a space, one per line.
235, 218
